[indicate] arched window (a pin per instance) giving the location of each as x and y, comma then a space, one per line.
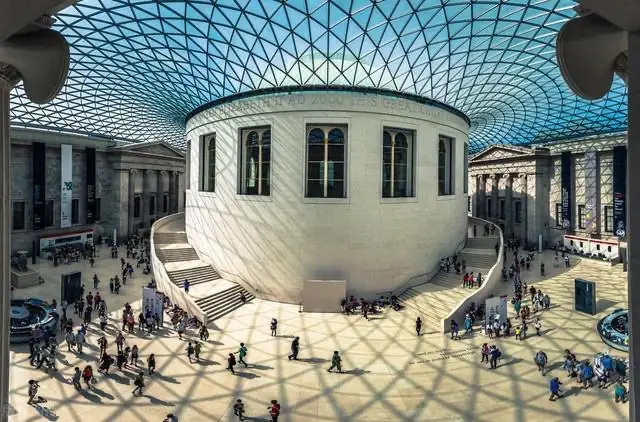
397, 163
325, 162
208, 163
445, 166
256, 161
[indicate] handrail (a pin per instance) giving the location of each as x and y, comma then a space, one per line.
483, 292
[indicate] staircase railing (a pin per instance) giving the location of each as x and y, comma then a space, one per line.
164, 283
491, 280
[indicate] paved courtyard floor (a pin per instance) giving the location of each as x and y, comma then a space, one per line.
390, 374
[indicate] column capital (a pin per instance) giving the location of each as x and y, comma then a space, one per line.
133, 171
162, 172
522, 176
492, 176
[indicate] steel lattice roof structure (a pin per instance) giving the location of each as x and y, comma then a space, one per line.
140, 66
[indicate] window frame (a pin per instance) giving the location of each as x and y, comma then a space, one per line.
137, 206
410, 182
75, 204
446, 181
24, 215
582, 213
517, 216
558, 214
327, 129
152, 201
207, 179
262, 189
165, 202
489, 205
98, 211
502, 209
608, 214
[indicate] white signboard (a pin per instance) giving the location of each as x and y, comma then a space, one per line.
496, 306
66, 184
153, 301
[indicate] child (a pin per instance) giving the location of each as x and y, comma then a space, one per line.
76, 378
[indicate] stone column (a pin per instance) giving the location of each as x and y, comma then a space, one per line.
170, 190
508, 206
633, 227
478, 201
132, 195
160, 193
122, 206
6, 85
524, 199
494, 196
146, 198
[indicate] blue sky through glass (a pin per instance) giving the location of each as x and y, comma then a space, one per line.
140, 66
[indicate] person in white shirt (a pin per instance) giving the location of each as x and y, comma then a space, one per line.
537, 325
103, 321
70, 338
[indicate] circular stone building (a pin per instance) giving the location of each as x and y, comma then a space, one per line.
306, 183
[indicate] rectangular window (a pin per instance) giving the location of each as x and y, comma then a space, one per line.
326, 153
136, 206
152, 205
255, 148
49, 213
559, 215
489, 208
469, 203
165, 203
608, 218
446, 154
98, 214
518, 211
208, 163
18, 219
501, 212
397, 163
466, 168
75, 211
582, 215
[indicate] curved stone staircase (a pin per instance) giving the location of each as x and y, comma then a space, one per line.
211, 293
434, 300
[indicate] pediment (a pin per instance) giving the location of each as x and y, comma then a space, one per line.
157, 148
500, 152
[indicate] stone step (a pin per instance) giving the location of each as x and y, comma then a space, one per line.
478, 261
482, 242
222, 303
163, 238
195, 276
177, 255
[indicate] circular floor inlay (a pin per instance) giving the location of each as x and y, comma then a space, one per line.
18, 312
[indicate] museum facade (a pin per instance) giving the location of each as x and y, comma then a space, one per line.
365, 186
559, 191
70, 188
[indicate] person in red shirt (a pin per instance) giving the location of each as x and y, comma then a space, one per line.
274, 410
465, 280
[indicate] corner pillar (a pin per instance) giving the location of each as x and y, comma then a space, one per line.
509, 206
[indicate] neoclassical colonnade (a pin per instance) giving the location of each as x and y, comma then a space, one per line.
502, 198
155, 184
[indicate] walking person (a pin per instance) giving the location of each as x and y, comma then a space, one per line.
32, 391
134, 355
87, 376
274, 327
495, 354
242, 353
554, 388
151, 363
541, 361
197, 348
295, 348
203, 333
139, 383
75, 380
484, 350
186, 286
336, 362
238, 409
274, 410
119, 341
537, 325
231, 361
80, 340
418, 326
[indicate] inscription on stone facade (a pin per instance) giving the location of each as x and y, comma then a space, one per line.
397, 105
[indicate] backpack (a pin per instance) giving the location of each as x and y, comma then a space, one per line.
232, 360
499, 355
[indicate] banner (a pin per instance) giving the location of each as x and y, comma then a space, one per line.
66, 179
90, 154
153, 301
495, 306
565, 183
39, 173
620, 190
590, 191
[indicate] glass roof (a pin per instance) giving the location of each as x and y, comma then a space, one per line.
140, 66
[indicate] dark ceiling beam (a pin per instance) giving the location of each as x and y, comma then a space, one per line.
15, 15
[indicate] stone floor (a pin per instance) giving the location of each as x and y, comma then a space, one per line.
390, 374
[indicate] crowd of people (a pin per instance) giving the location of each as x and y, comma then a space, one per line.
351, 305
